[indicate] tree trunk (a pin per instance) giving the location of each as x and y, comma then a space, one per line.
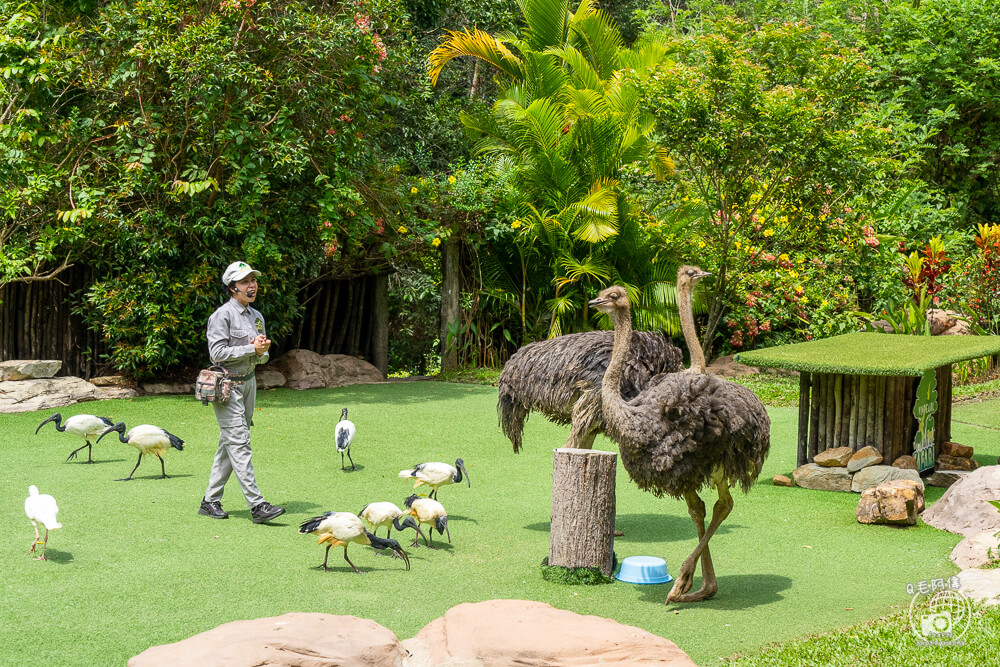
583, 509
380, 344
449, 304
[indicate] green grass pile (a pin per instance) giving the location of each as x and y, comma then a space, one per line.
135, 566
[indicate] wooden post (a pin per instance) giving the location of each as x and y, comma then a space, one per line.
838, 410
862, 399
880, 413
380, 338
845, 418
853, 425
803, 450
821, 441
816, 380
583, 509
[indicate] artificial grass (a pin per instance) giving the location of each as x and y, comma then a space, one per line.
873, 353
135, 566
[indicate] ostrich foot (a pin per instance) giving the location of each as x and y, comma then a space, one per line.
707, 590
682, 584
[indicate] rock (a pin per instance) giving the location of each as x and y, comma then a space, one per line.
104, 393
728, 367
28, 395
940, 320
838, 456
945, 462
864, 457
267, 377
156, 388
906, 462
304, 369
297, 639
781, 480
960, 329
893, 503
963, 508
955, 449
20, 369
976, 550
499, 633
981, 585
872, 476
110, 381
813, 476
944, 478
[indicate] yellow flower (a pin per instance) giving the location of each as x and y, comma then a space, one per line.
451, 179
401, 230
516, 224
768, 232
436, 242
701, 244
825, 302
413, 191
783, 257
793, 274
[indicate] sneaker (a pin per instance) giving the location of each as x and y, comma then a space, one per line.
213, 509
265, 511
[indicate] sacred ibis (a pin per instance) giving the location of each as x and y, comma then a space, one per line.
338, 529
386, 515
344, 435
41, 509
436, 475
148, 439
429, 511
85, 426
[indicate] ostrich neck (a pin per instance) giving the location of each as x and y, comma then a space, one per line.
686, 307
611, 384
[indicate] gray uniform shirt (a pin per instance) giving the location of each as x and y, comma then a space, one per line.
231, 328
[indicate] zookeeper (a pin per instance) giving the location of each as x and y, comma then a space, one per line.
237, 340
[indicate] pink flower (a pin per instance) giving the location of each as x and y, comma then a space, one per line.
363, 22
345, 118
379, 46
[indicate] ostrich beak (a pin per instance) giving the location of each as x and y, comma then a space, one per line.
701, 274
599, 301
54, 418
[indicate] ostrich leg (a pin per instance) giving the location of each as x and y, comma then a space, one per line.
709, 585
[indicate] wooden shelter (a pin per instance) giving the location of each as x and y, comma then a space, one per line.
862, 389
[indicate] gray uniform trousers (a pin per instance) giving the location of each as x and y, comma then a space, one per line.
234, 417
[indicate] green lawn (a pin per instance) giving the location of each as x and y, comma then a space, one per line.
136, 566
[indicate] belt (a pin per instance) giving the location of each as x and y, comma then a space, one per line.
242, 378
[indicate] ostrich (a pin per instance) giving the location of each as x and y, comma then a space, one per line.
85, 426
148, 439
561, 378
344, 435
436, 475
684, 432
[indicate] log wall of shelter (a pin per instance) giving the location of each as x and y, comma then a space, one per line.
36, 323
859, 410
344, 317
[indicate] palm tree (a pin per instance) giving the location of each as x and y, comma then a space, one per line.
570, 123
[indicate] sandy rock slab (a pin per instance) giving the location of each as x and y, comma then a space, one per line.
292, 640
28, 395
28, 369
499, 633
976, 550
981, 585
963, 509
305, 369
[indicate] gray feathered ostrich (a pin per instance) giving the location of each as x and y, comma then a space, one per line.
561, 378
684, 432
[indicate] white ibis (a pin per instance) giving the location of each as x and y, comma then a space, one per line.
41, 508
386, 515
338, 529
429, 511
436, 475
85, 426
148, 439
344, 435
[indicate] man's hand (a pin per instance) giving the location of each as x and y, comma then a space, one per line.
261, 344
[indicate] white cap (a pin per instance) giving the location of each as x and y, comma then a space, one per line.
237, 271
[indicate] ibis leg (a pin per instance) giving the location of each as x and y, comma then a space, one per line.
36, 542
342, 461
163, 468
353, 467
44, 544
72, 455
326, 556
349, 561
126, 479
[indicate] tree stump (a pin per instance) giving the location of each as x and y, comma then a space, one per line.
583, 509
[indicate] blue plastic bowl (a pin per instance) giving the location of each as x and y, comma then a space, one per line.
644, 570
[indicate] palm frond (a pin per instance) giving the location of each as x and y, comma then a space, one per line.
545, 22
477, 44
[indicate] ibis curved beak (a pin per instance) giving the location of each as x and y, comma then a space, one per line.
402, 554
54, 418
119, 427
460, 464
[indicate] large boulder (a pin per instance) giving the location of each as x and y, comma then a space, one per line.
895, 502
872, 476
305, 369
945, 478
267, 378
976, 550
822, 478
864, 457
981, 585
834, 457
299, 639
158, 388
499, 633
963, 508
28, 395
22, 369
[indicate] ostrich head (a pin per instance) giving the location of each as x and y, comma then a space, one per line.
611, 299
688, 277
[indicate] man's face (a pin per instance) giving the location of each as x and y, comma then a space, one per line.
247, 290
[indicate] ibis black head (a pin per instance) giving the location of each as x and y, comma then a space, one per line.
409, 501
343, 414
460, 464
57, 418
379, 543
120, 427
408, 522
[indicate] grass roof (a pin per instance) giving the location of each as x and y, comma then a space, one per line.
873, 353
